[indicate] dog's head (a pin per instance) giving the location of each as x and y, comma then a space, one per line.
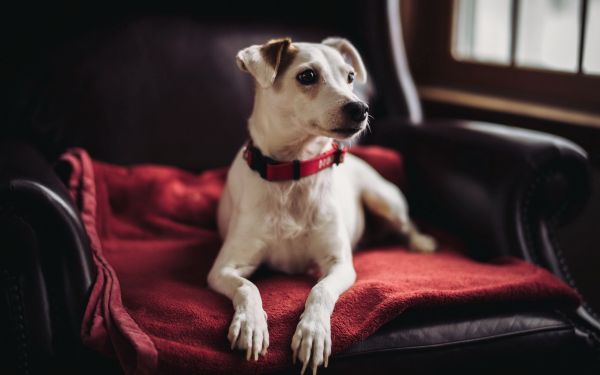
310, 85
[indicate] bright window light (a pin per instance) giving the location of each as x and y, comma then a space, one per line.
591, 57
548, 34
483, 30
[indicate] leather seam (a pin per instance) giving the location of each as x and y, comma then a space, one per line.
16, 311
566, 271
534, 251
15, 301
524, 213
594, 337
555, 328
557, 249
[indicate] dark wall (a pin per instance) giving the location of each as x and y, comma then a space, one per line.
36, 38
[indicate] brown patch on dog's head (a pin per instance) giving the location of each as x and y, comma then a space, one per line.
265, 62
286, 59
279, 53
274, 49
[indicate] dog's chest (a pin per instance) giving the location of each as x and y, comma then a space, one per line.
292, 222
290, 256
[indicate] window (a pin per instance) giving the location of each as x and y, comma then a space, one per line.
508, 56
548, 34
556, 35
483, 32
591, 60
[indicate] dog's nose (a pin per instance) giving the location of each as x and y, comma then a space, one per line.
357, 111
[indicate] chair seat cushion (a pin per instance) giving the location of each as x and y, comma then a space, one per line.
153, 233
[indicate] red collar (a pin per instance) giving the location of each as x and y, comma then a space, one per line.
272, 170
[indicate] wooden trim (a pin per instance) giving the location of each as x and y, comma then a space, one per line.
582, 36
514, 30
507, 105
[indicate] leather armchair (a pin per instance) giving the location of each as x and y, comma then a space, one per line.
504, 191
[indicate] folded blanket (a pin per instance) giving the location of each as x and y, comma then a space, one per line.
153, 235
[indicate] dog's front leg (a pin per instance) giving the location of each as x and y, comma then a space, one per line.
312, 340
237, 260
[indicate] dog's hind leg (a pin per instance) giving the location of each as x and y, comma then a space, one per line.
239, 257
386, 200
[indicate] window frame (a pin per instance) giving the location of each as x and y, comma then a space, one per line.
434, 64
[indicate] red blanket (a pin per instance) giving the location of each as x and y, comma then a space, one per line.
153, 236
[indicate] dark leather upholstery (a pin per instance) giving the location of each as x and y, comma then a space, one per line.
46, 268
493, 184
166, 90
115, 94
501, 189
472, 341
119, 91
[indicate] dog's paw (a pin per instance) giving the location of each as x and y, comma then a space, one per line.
248, 331
312, 341
423, 243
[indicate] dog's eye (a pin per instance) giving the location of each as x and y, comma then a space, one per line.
350, 77
307, 77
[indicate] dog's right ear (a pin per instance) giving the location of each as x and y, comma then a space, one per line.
263, 61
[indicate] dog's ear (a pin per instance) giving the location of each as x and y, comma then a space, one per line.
349, 52
264, 61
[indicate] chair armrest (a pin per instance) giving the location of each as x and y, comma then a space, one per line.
46, 266
502, 190
494, 185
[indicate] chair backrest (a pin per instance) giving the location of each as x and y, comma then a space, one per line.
157, 90
165, 88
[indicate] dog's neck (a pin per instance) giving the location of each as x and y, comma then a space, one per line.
267, 135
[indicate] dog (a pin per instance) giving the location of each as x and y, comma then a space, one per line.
293, 199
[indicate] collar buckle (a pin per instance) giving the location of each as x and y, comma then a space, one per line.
340, 152
256, 160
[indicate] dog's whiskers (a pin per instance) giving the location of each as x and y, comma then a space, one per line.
368, 126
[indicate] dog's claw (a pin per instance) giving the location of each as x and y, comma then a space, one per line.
257, 341
248, 331
296, 340
265, 343
311, 342
234, 333
327, 350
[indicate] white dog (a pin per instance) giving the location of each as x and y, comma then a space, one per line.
286, 204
